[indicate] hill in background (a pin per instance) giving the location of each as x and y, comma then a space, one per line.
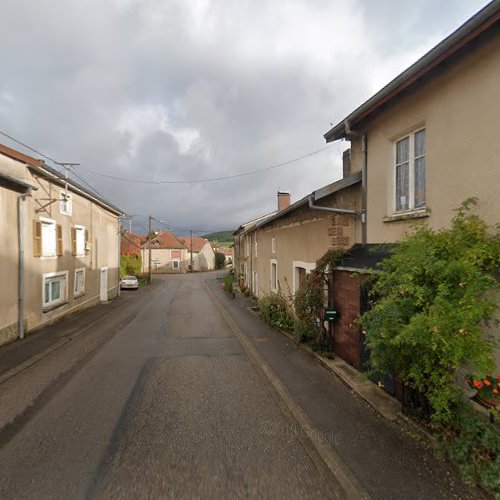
223, 238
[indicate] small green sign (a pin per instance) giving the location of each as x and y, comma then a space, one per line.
331, 315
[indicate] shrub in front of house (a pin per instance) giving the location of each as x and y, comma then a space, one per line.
276, 311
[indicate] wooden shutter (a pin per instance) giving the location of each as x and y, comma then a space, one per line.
37, 238
59, 233
73, 240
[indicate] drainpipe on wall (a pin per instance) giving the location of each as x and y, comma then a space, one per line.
342, 211
364, 162
20, 283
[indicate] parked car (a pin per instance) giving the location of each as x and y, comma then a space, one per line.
129, 282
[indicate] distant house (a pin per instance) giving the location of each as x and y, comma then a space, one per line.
131, 244
203, 253
168, 254
59, 245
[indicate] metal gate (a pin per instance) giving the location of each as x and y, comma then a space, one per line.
365, 304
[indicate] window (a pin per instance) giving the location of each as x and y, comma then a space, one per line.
65, 203
248, 245
79, 282
410, 172
274, 275
273, 245
255, 240
54, 289
255, 284
176, 264
78, 238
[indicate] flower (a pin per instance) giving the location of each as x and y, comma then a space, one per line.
498, 377
495, 391
486, 382
478, 384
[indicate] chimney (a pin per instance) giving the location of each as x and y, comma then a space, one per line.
283, 200
346, 163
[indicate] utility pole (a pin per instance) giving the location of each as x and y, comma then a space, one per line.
191, 247
149, 251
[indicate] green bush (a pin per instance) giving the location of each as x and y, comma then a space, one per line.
130, 265
220, 260
276, 311
228, 283
474, 444
432, 305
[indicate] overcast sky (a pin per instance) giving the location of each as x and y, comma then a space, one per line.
189, 89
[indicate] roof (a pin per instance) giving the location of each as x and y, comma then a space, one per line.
165, 240
15, 184
247, 226
483, 20
198, 243
365, 257
130, 243
42, 168
317, 195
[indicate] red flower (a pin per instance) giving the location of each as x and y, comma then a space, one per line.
487, 382
498, 377
495, 391
477, 384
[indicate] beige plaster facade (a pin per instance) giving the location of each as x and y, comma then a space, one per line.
459, 108
83, 278
275, 253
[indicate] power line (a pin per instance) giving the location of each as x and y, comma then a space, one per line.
213, 179
86, 183
30, 148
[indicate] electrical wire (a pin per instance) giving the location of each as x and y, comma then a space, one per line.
213, 179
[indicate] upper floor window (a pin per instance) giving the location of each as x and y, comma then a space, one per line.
47, 238
78, 239
66, 203
256, 247
410, 172
273, 245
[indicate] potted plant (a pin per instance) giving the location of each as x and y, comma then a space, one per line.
488, 389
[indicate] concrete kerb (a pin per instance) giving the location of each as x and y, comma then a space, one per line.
342, 474
388, 406
27, 364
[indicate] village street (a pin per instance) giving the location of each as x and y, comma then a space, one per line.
166, 398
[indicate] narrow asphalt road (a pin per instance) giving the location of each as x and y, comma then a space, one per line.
176, 394
170, 407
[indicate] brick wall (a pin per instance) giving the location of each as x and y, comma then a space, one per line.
346, 300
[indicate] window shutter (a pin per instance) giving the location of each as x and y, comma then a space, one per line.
59, 240
86, 240
37, 238
73, 240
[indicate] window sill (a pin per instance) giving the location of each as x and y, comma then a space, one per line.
413, 214
48, 308
79, 295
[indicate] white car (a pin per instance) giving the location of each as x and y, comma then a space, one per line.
129, 282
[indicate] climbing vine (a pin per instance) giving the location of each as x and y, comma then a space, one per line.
309, 300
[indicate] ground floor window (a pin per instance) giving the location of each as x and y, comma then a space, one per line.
79, 282
54, 289
300, 271
175, 264
274, 275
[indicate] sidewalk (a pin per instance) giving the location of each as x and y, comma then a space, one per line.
388, 461
50, 337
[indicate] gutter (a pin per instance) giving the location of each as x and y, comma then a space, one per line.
342, 211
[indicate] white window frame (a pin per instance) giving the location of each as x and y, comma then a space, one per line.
274, 286
411, 171
247, 238
174, 262
308, 266
255, 283
76, 291
66, 203
256, 246
80, 236
52, 223
63, 278
273, 245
